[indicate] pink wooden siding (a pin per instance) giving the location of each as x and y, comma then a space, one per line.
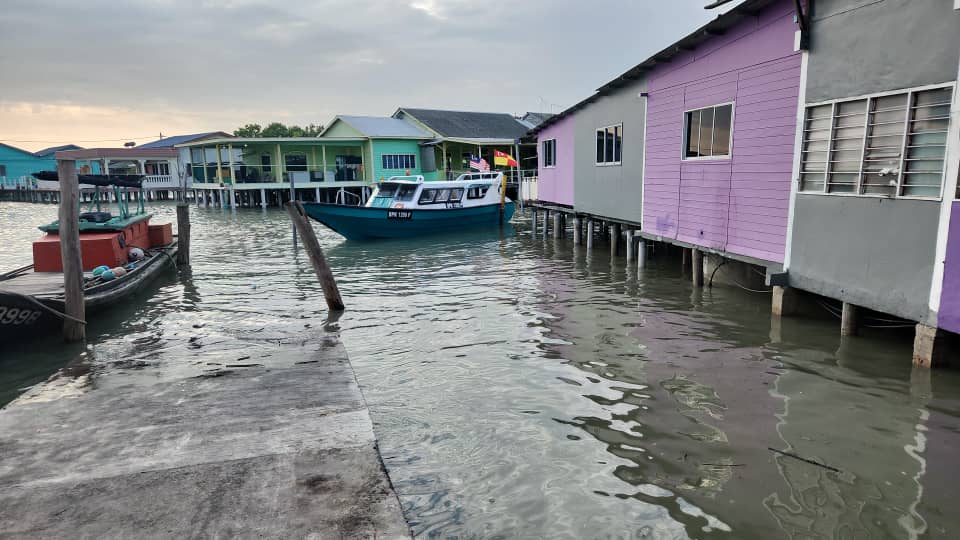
555, 184
738, 204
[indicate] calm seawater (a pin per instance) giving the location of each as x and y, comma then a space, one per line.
523, 388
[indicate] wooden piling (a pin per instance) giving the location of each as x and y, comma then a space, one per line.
310, 243
74, 304
614, 239
557, 225
589, 234
685, 261
183, 234
577, 231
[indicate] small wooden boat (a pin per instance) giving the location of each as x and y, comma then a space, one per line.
406, 206
133, 251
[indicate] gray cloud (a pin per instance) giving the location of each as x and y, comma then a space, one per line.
253, 60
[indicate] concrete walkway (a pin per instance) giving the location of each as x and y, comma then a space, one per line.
277, 448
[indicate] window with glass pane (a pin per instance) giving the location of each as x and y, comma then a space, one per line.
398, 161
549, 149
884, 147
846, 148
707, 132
610, 145
926, 143
816, 143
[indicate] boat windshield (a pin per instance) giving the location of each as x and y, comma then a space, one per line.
387, 190
477, 191
405, 192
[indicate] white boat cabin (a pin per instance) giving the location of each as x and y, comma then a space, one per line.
412, 192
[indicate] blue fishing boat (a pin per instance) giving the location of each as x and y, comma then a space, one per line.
405, 206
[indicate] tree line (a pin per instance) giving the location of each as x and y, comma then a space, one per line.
277, 129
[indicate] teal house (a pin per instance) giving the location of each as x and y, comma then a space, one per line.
16, 164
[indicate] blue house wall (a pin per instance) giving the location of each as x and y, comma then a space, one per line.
16, 163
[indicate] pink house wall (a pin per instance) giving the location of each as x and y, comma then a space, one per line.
739, 204
555, 184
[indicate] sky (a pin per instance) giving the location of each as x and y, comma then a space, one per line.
99, 73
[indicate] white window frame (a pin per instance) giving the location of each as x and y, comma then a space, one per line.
554, 165
869, 97
383, 161
683, 135
608, 163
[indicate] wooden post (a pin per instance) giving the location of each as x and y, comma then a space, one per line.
589, 234
183, 234
327, 282
577, 231
74, 303
533, 221
557, 225
696, 257
685, 262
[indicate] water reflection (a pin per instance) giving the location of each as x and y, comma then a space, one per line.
525, 387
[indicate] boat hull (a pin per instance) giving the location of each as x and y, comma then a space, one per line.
22, 318
363, 223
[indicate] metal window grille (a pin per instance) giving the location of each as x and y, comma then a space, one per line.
890, 145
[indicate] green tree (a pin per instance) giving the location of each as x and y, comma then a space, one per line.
277, 129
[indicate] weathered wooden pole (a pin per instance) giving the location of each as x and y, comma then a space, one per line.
327, 282
849, 320
183, 234
74, 304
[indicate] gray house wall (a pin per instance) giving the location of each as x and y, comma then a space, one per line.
869, 251
612, 191
873, 252
863, 46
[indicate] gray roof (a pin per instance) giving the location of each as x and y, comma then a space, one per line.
180, 139
383, 126
54, 149
536, 118
469, 125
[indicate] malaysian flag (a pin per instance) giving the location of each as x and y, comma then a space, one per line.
479, 163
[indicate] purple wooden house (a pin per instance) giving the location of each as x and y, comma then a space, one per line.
721, 126
555, 145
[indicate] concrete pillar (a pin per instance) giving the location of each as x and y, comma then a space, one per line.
929, 347
696, 258
263, 198
784, 301
233, 197
849, 320
589, 234
557, 225
614, 239
577, 231
630, 251
641, 254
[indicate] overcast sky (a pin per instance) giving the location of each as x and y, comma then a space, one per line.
81, 71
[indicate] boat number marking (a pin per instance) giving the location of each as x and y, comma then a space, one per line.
17, 316
457, 204
399, 214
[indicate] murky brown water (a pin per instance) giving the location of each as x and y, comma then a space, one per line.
522, 388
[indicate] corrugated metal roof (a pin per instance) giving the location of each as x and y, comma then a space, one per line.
167, 142
383, 126
716, 27
467, 124
53, 149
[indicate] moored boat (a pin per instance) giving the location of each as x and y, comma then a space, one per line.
120, 253
406, 206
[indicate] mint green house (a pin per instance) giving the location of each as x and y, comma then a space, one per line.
391, 147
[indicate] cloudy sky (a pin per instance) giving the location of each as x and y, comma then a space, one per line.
102, 72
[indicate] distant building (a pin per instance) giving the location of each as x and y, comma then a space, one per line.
16, 165
170, 142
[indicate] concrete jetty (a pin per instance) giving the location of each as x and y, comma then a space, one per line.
280, 445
